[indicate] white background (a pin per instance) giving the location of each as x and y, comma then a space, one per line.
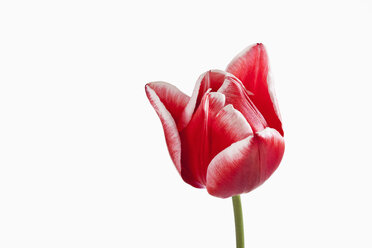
83, 161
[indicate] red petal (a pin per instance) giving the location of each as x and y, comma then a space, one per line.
237, 95
195, 140
271, 146
246, 164
213, 80
168, 103
252, 68
228, 127
173, 99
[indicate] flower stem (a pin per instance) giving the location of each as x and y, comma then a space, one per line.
239, 228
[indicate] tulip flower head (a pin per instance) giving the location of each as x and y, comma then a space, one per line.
227, 137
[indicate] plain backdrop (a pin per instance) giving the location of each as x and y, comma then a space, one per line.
83, 160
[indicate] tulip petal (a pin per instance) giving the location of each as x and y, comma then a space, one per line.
271, 145
228, 127
173, 99
196, 140
245, 164
239, 97
168, 102
213, 80
252, 68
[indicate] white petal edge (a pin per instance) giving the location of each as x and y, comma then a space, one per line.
172, 136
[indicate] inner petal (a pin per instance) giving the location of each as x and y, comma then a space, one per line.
228, 127
212, 80
195, 140
238, 96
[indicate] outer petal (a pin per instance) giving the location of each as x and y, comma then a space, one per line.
168, 102
196, 140
213, 80
252, 68
173, 99
239, 97
246, 164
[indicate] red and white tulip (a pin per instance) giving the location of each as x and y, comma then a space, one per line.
227, 137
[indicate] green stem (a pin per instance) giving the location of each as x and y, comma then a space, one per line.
239, 228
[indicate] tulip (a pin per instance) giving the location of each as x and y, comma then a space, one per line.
227, 137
